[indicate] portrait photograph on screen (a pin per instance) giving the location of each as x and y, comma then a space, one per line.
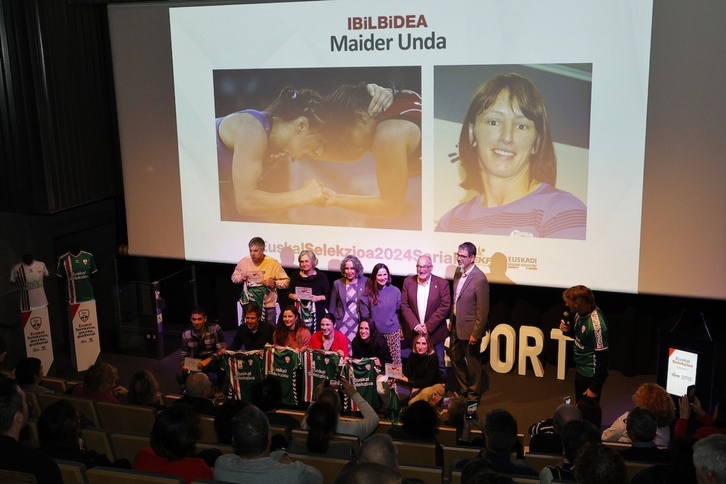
512, 150
323, 159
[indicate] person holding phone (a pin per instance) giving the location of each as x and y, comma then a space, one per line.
590, 331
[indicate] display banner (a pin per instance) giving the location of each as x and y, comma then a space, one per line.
38, 340
85, 344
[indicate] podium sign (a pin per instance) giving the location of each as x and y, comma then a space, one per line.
38, 341
84, 334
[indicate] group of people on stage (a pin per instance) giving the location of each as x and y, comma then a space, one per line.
369, 317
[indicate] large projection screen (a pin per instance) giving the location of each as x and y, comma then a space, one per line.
179, 67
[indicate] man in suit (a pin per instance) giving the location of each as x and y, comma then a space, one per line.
425, 305
470, 311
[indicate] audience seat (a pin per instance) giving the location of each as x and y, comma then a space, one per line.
206, 425
72, 472
425, 473
57, 385
353, 440
126, 445
110, 475
539, 461
330, 468
99, 440
453, 454
86, 407
17, 477
416, 453
126, 417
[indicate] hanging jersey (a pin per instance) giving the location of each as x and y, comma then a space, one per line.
283, 364
243, 369
362, 374
77, 270
30, 282
318, 366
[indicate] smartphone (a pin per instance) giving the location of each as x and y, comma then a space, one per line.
567, 400
334, 384
471, 409
445, 402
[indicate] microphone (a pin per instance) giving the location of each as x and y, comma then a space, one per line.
567, 316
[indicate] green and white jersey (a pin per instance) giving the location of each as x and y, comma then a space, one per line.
283, 364
591, 335
244, 369
77, 270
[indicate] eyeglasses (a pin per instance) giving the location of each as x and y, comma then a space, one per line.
463, 256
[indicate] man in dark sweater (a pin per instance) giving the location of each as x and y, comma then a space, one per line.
13, 455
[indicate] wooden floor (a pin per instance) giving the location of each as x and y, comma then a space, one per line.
527, 397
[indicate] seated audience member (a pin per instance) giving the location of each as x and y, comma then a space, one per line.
144, 390
101, 384
482, 471
500, 440
371, 473
198, 395
29, 374
223, 418
328, 338
421, 374
420, 424
253, 461
362, 427
597, 464
267, 396
13, 455
378, 449
59, 432
679, 470
654, 398
291, 331
708, 459
173, 441
709, 425
641, 425
575, 434
253, 335
321, 419
551, 442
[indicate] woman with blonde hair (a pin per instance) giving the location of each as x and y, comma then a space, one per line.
658, 401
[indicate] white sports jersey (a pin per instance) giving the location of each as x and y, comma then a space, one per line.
30, 281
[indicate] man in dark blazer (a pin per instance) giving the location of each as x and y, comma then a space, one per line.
470, 311
435, 304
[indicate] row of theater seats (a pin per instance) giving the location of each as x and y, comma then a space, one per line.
120, 430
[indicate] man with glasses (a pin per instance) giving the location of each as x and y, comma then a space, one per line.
425, 305
469, 313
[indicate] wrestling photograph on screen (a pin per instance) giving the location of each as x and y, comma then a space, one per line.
326, 146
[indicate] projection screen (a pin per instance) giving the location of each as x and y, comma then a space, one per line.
178, 68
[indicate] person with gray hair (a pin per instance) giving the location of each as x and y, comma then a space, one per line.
708, 458
345, 297
379, 448
253, 460
311, 306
